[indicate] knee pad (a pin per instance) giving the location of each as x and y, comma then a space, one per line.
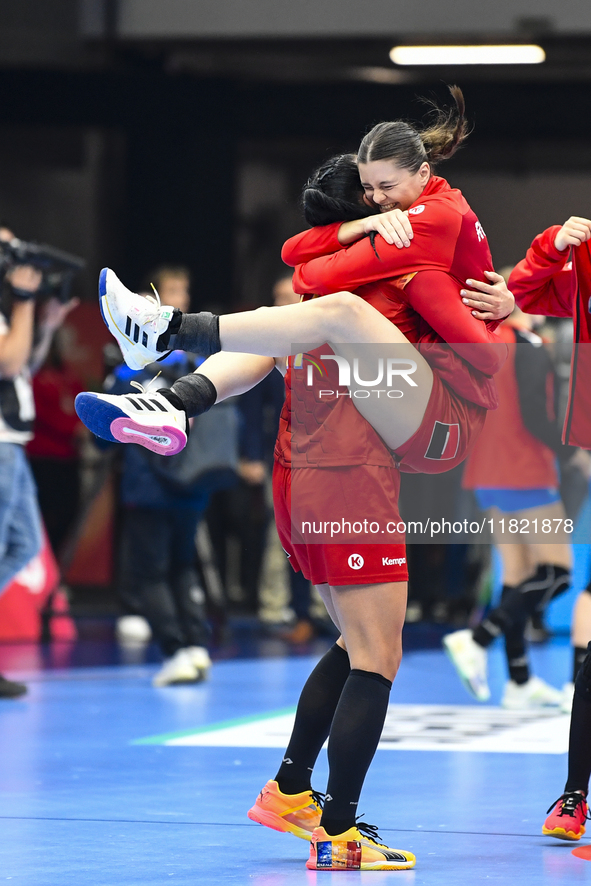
546, 584
583, 681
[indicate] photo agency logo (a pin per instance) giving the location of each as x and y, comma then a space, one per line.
362, 376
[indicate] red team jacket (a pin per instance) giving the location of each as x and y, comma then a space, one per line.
558, 284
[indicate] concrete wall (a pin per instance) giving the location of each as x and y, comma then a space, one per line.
339, 18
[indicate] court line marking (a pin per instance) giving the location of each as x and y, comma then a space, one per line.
214, 727
235, 824
464, 728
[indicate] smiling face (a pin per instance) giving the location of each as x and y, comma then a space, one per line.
389, 186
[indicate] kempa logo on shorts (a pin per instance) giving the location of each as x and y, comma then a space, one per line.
355, 561
393, 561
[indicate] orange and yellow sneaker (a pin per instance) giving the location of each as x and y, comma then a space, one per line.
567, 817
358, 849
296, 814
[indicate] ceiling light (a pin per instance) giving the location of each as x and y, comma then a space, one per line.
511, 54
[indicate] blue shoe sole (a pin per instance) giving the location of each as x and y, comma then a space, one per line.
97, 415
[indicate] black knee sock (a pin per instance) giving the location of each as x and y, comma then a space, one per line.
316, 707
196, 333
194, 393
579, 653
579, 745
354, 736
517, 660
547, 583
495, 622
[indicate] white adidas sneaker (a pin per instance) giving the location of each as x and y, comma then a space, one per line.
200, 658
148, 419
530, 696
180, 668
136, 321
470, 661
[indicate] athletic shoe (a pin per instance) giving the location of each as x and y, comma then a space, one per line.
358, 849
469, 660
178, 669
200, 658
147, 419
10, 689
297, 814
530, 696
133, 629
566, 702
136, 321
302, 632
567, 817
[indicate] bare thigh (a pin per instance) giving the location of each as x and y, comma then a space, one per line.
521, 558
356, 332
371, 618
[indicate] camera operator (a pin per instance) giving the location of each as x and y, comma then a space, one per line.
20, 520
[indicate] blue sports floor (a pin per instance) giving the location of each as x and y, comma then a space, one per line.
92, 793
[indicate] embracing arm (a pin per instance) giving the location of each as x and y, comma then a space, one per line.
394, 226
311, 244
434, 296
432, 247
540, 282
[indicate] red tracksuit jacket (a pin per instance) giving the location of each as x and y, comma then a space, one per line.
558, 284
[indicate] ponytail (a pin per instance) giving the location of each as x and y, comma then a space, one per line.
409, 147
448, 130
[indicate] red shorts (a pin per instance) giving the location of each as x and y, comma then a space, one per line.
448, 431
340, 526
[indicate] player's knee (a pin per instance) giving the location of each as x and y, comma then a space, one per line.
345, 306
583, 681
390, 662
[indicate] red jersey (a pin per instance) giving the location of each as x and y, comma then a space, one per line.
449, 246
417, 288
319, 426
558, 284
506, 455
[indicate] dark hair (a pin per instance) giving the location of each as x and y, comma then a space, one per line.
334, 193
409, 146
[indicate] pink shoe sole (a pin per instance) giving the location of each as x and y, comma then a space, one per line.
163, 440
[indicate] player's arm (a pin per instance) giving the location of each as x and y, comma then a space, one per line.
322, 240
432, 246
540, 282
470, 338
489, 300
394, 227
